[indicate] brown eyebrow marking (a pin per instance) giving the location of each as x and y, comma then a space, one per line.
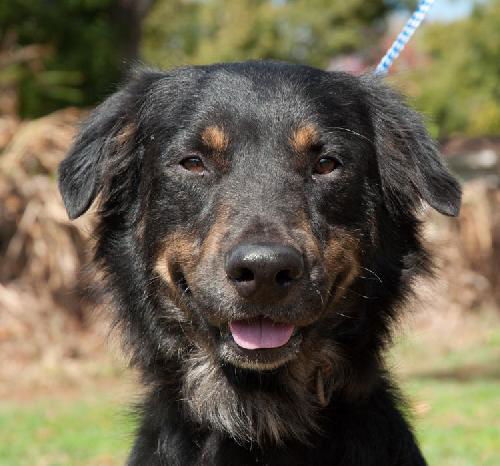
215, 138
304, 137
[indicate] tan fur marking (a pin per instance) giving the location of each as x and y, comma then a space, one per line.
216, 234
179, 247
341, 260
126, 134
304, 137
215, 138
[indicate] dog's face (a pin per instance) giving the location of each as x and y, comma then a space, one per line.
251, 212
247, 209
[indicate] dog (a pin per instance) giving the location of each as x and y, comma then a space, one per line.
258, 228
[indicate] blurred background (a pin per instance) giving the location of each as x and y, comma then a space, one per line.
64, 390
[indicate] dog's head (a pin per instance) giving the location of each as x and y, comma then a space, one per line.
259, 214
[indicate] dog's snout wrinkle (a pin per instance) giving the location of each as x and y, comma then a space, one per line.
264, 271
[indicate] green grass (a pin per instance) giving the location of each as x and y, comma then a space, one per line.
460, 421
50, 432
452, 380
455, 393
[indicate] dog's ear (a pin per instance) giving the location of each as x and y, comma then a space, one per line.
80, 173
107, 134
411, 169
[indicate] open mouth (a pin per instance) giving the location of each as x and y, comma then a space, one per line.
260, 333
260, 343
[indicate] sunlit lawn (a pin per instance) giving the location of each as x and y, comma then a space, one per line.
455, 396
460, 422
51, 432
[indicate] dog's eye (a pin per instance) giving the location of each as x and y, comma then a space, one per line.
324, 166
193, 164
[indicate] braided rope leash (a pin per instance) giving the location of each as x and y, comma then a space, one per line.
404, 36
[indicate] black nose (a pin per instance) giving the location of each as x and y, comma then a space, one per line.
264, 271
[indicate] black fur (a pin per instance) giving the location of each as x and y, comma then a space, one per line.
164, 231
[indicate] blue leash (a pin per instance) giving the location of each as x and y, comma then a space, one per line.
404, 36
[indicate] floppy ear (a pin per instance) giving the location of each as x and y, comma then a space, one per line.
104, 148
80, 173
410, 166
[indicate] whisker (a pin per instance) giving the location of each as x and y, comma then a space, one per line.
349, 290
348, 130
373, 273
318, 292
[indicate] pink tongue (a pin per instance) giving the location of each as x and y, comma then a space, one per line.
260, 333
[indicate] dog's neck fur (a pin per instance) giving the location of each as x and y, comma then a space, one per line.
261, 415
